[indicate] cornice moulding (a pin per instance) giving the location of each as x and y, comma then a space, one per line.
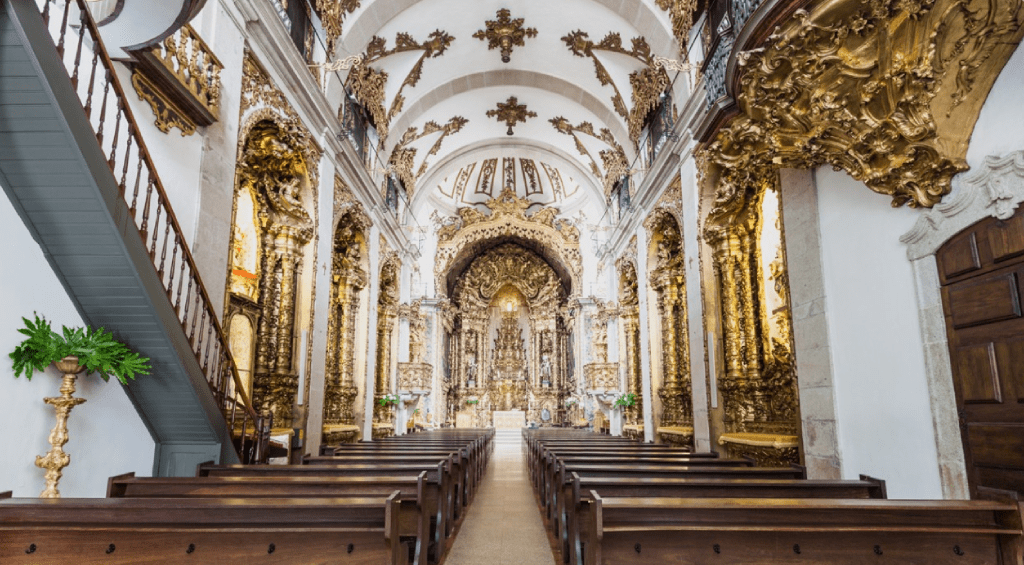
274, 49
996, 189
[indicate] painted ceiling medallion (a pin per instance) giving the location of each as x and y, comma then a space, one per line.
511, 112
504, 33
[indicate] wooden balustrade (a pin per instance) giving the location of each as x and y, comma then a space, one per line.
81, 49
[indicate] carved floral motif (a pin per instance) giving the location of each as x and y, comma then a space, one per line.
887, 91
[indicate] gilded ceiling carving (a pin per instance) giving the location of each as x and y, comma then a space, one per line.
403, 157
887, 91
511, 112
647, 83
368, 83
507, 219
505, 33
332, 16
613, 160
682, 13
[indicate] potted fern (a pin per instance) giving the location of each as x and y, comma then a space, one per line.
73, 351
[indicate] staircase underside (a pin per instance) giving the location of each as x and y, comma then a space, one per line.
53, 171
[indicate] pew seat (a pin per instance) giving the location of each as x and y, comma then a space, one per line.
745, 531
355, 531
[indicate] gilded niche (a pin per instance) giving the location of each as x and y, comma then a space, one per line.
668, 280
759, 386
888, 91
270, 228
348, 279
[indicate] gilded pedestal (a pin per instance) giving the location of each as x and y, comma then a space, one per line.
56, 460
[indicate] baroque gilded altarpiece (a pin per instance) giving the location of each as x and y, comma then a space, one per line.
667, 279
884, 90
276, 177
349, 264
510, 279
758, 387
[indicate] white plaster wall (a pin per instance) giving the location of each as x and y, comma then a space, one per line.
883, 415
998, 131
107, 437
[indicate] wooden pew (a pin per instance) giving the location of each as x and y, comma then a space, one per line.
462, 465
573, 537
559, 472
361, 531
438, 474
804, 531
549, 467
419, 512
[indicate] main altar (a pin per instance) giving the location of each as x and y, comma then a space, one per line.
509, 419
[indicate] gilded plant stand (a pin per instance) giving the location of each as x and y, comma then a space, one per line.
56, 459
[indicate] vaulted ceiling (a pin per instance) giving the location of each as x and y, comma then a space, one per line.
578, 80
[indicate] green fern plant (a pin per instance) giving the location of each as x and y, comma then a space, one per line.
97, 351
625, 401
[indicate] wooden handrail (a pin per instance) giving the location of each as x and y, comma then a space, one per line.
232, 397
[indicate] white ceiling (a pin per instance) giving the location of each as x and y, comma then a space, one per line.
468, 79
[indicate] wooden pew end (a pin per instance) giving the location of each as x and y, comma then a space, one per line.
113, 489
879, 482
200, 471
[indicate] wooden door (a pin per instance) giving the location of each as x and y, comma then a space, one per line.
982, 275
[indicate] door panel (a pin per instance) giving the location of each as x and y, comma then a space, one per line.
982, 271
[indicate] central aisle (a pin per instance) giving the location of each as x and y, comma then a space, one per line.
503, 525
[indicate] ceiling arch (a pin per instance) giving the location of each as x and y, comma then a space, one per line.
589, 191
439, 91
571, 92
373, 15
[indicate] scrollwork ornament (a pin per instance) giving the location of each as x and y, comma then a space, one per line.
888, 92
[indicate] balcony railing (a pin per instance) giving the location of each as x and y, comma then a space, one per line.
180, 78
92, 76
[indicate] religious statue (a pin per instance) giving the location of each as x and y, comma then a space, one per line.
471, 370
545, 370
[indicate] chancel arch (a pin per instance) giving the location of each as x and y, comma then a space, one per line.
511, 342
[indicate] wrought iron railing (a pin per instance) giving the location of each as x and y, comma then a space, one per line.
92, 75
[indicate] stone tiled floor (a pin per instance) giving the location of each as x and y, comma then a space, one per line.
504, 524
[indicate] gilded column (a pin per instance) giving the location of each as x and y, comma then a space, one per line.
750, 320
286, 323
667, 310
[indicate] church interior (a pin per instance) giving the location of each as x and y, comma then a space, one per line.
429, 281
